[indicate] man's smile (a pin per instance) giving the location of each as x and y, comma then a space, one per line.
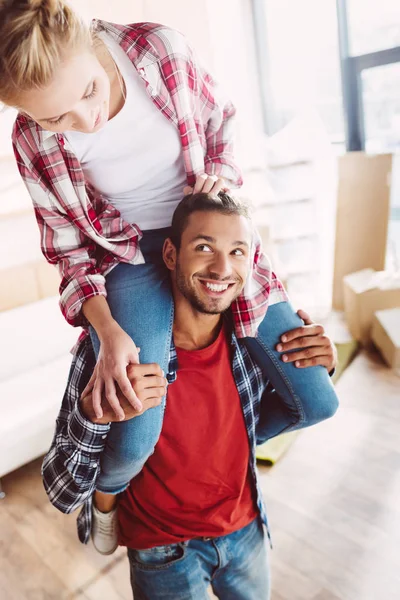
216, 289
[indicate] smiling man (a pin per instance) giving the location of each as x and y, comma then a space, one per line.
194, 516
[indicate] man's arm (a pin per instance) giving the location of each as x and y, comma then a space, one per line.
71, 467
306, 346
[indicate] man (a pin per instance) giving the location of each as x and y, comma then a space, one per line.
194, 516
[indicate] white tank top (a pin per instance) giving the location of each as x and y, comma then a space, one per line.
135, 161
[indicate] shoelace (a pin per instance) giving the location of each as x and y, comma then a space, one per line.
107, 527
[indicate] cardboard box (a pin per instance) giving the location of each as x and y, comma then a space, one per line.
385, 334
365, 292
362, 216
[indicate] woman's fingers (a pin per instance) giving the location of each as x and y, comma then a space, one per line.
200, 181
126, 388
209, 184
218, 186
187, 190
112, 399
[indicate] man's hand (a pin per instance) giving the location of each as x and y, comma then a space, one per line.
308, 345
149, 384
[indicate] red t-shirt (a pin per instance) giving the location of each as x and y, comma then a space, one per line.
197, 482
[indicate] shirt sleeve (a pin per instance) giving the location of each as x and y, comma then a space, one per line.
201, 106
62, 243
71, 466
219, 113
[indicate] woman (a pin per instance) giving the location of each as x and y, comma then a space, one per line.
114, 123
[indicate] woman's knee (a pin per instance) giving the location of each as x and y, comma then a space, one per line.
319, 401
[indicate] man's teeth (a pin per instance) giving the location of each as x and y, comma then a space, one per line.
214, 287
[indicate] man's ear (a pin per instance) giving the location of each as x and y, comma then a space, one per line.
169, 254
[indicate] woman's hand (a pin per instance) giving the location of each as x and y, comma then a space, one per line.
209, 184
148, 382
309, 345
117, 351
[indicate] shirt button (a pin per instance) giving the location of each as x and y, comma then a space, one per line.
103, 437
93, 465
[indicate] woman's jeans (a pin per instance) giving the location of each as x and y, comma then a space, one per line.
140, 300
234, 565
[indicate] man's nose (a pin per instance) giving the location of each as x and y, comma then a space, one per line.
221, 265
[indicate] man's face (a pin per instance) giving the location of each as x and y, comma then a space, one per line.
213, 261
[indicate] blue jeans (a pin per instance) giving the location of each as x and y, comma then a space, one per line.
235, 565
305, 396
141, 302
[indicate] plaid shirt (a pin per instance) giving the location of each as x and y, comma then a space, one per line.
80, 231
71, 467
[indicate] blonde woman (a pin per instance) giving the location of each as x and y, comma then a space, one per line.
115, 122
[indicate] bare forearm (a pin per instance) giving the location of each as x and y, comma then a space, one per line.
98, 313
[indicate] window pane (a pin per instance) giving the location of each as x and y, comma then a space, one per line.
381, 103
303, 62
373, 25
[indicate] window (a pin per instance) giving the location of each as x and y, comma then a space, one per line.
373, 25
298, 47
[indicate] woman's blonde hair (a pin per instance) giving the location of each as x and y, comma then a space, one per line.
35, 37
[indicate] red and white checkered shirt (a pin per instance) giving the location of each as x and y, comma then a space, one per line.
80, 231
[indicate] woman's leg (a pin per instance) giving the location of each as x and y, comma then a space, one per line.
140, 300
308, 394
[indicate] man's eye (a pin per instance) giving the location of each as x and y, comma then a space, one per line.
203, 248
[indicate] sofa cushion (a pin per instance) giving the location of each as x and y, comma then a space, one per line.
33, 335
29, 404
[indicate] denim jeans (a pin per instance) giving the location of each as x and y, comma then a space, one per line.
234, 565
140, 300
306, 396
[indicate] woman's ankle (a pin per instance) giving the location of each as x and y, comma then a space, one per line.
105, 502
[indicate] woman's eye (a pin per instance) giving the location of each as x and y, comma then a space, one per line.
238, 252
92, 93
58, 121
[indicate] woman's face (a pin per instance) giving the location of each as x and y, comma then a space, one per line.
77, 99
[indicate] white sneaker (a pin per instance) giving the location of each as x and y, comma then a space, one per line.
105, 531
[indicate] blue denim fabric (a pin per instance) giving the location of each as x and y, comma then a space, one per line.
140, 300
306, 396
234, 565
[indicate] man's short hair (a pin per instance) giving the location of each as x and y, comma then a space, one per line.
223, 203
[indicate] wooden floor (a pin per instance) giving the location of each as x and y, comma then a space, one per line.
333, 504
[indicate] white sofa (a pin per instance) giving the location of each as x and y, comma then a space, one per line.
35, 340
34, 363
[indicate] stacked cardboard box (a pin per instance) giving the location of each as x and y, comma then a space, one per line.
366, 292
385, 335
